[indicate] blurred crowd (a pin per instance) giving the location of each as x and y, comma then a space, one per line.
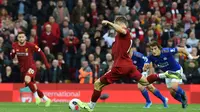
78, 47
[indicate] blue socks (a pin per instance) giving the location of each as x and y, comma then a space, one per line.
158, 94
177, 96
179, 93
146, 95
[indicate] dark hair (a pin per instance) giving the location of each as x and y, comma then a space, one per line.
121, 19
21, 32
154, 43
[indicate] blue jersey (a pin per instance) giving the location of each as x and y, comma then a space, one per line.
138, 60
166, 60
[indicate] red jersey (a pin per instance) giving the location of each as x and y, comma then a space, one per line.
120, 50
25, 55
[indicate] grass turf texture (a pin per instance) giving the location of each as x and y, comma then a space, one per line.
102, 107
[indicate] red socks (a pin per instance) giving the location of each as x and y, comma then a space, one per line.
40, 93
32, 87
95, 96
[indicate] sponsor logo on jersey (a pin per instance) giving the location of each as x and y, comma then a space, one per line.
22, 54
162, 65
164, 58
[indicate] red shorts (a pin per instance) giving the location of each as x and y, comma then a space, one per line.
30, 72
116, 73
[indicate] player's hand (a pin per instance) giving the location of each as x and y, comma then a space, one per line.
146, 66
54, 44
13, 51
105, 22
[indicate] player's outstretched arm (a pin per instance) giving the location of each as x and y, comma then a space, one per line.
151, 68
184, 51
44, 59
118, 28
38, 50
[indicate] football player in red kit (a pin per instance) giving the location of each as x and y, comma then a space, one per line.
123, 65
24, 51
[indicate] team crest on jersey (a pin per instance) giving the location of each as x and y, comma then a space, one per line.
36, 47
26, 50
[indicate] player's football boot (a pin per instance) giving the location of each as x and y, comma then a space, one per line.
173, 75
37, 101
48, 103
165, 103
84, 106
184, 100
148, 105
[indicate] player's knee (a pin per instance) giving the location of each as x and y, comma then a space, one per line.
174, 86
143, 81
151, 88
98, 85
172, 92
140, 87
35, 86
27, 79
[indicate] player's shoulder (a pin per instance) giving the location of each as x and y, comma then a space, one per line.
31, 44
14, 44
137, 54
168, 50
125, 36
151, 57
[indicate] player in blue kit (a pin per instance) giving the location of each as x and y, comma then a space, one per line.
138, 60
164, 59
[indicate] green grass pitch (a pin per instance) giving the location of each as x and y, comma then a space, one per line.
101, 107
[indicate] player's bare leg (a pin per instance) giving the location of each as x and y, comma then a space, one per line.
145, 95
155, 77
178, 94
44, 97
33, 89
98, 85
157, 93
143, 81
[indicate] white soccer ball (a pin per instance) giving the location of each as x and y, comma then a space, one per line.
73, 105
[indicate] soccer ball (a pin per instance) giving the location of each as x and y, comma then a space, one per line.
73, 105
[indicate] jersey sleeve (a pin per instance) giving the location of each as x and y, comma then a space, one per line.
141, 56
127, 33
171, 51
35, 48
